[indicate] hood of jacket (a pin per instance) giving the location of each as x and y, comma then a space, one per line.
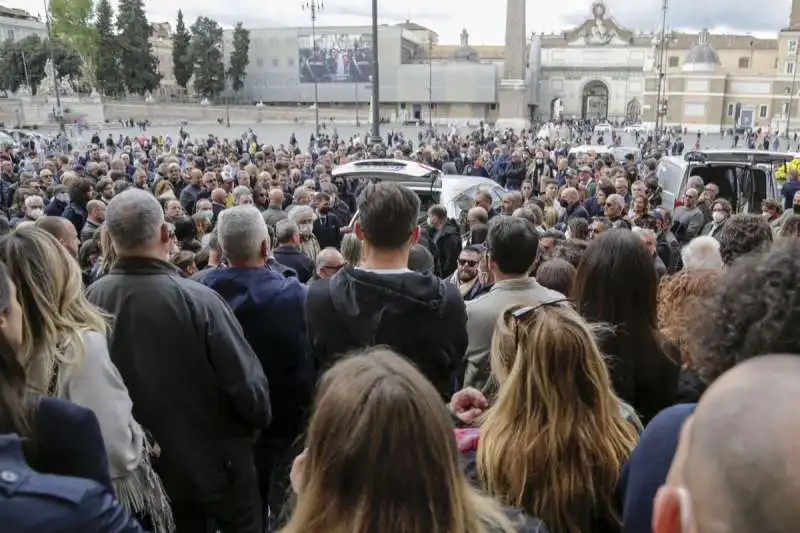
364, 298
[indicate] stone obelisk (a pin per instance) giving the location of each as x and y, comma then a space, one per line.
513, 98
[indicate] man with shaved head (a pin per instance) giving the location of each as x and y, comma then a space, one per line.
737, 468
572, 203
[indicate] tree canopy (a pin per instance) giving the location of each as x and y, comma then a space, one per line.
206, 52
106, 59
182, 61
138, 66
239, 58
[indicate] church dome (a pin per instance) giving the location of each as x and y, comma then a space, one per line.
701, 57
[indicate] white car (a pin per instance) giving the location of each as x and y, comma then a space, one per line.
604, 128
455, 193
634, 128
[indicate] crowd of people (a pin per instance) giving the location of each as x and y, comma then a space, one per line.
225, 337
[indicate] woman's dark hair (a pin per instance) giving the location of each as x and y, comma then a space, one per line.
754, 311
578, 228
790, 227
644, 366
556, 274
15, 411
79, 190
478, 234
606, 186
743, 234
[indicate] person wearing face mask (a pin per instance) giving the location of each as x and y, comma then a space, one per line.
720, 213
59, 201
303, 216
326, 226
32, 211
571, 204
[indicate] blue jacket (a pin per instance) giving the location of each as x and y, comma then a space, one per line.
31, 502
648, 466
271, 311
68, 442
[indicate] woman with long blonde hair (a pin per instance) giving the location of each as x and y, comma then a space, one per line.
381, 458
65, 354
556, 438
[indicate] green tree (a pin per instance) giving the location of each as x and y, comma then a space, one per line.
182, 61
106, 58
23, 64
11, 79
206, 51
138, 66
68, 62
239, 58
71, 23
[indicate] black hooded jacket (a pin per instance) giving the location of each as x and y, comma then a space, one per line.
418, 315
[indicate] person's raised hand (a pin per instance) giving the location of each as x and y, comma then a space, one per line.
468, 404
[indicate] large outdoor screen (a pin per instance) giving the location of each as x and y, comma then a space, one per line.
335, 58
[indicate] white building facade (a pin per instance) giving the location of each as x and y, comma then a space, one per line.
595, 71
16, 24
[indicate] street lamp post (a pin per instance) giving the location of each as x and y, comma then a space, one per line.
430, 85
56, 89
358, 122
376, 83
313, 7
225, 85
793, 89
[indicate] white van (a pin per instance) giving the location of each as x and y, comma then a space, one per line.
744, 177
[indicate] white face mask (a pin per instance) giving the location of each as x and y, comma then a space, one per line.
718, 216
35, 214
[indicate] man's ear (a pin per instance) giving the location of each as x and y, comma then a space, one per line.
164, 233
415, 234
359, 231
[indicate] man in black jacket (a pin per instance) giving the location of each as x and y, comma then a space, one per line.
195, 382
326, 226
382, 302
288, 253
445, 236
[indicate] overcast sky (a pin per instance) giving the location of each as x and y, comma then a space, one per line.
484, 19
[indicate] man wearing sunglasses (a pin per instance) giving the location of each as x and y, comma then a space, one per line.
466, 275
512, 246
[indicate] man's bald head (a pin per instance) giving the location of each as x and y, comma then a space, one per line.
276, 197
737, 467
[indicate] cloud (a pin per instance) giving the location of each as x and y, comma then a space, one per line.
485, 20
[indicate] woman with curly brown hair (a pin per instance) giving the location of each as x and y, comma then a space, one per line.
679, 297
753, 311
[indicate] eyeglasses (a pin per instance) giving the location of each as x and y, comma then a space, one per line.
468, 262
522, 312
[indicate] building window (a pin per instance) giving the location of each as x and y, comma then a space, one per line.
785, 109
792, 46
290, 62
731, 109
790, 65
762, 111
11, 35
674, 61
744, 62
275, 62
